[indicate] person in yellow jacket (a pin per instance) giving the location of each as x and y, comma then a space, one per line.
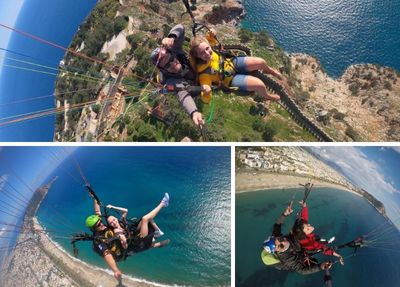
214, 69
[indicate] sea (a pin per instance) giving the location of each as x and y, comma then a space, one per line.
55, 21
340, 33
332, 212
197, 221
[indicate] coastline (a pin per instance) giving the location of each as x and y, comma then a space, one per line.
83, 273
252, 180
359, 104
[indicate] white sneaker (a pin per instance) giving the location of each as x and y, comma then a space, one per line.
158, 233
165, 200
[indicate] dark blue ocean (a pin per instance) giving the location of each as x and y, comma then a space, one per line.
55, 21
339, 33
333, 213
197, 221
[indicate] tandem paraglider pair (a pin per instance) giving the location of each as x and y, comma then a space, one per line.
207, 64
117, 239
295, 251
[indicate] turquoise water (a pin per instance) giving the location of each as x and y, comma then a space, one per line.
197, 221
339, 33
333, 213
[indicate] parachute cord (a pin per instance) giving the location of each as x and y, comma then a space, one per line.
68, 50
42, 97
48, 112
212, 107
79, 169
36, 38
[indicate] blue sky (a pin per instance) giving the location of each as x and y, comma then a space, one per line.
31, 165
375, 169
23, 169
9, 10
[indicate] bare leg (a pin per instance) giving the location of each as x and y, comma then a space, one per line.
256, 63
254, 84
154, 224
161, 243
143, 225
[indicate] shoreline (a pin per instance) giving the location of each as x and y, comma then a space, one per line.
252, 180
81, 272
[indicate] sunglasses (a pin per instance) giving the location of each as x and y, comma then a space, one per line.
98, 223
281, 240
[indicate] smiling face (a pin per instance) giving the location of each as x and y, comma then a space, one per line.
113, 222
204, 51
281, 244
308, 228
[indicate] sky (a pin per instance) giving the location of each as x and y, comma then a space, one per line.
25, 169
9, 10
375, 169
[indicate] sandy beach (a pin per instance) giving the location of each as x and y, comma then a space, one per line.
82, 273
252, 180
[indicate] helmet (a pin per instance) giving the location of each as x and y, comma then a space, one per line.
92, 220
269, 244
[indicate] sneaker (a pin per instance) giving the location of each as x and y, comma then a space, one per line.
165, 200
158, 233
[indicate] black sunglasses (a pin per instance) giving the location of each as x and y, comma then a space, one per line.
281, 240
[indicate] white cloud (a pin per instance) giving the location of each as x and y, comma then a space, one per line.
2, 231
360, 169
396, 149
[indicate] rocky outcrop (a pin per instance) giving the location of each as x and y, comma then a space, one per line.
229, 11
362, 105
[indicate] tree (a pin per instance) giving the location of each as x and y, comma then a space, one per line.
245, 35
120, 23
263, 39
96, 108
270, 131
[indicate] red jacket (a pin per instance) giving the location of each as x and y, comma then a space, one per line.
311, 243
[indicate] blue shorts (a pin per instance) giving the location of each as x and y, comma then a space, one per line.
239, 80
240, 65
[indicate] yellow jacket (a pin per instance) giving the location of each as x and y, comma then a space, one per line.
210, 73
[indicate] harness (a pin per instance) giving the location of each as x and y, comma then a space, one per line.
222, 67
111, 240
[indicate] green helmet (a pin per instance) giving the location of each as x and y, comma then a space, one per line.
92, 220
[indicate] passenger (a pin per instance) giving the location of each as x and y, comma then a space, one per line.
119, 230
214, 69
303, 233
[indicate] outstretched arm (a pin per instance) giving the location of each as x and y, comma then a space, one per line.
178, 34
97, 209
112, 264
304, 211
277, 229
96, 205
